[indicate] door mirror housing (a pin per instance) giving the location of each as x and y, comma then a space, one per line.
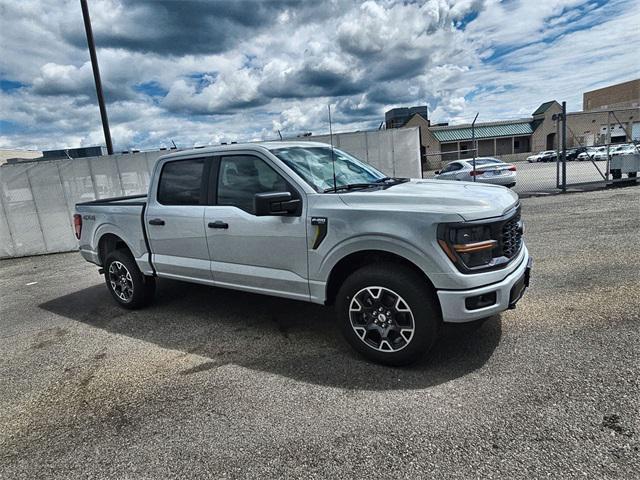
275, 203
437, 172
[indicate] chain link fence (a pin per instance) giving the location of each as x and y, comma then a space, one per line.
596, 144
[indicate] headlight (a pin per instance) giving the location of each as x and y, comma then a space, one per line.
470, 246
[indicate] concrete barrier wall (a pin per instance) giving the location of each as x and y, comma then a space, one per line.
395, 152
37, 198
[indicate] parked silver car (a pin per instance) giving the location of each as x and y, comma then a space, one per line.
545, 156
488, 170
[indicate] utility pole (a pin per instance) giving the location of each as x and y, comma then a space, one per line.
96, 76
473, 143
556, 118
564, 146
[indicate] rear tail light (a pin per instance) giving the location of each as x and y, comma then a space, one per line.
475, 173
512, 168
77, 225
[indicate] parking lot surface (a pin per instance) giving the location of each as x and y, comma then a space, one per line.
215, 383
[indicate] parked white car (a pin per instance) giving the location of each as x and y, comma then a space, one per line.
488, 170
589, 153
626, 149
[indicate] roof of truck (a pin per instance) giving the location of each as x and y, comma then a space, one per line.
273, 145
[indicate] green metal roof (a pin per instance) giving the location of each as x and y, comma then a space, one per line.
543, 108
454, 134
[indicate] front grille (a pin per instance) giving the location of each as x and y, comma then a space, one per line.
511, 240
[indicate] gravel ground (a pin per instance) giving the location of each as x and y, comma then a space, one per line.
217, 383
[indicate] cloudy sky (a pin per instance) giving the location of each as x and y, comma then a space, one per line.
202, 72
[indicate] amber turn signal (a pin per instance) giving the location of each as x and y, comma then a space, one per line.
475, 247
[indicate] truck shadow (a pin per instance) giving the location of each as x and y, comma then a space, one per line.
289, 338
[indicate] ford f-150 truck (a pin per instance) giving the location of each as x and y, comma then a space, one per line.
397, 257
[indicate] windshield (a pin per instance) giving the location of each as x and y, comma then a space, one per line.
314, 165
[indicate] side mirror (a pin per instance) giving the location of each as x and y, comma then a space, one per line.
274, 203
437, 172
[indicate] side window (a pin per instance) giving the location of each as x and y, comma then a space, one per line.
242, 176
181, 182
451, 167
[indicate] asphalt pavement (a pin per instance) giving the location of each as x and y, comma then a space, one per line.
222, 384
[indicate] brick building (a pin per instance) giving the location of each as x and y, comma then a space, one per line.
616, 118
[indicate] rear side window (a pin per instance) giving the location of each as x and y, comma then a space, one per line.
452, 167
181, 182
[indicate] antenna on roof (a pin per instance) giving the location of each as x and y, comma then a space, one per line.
333, 158
174, 144
279, 134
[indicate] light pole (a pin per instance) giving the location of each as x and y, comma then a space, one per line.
96, 76
473, 144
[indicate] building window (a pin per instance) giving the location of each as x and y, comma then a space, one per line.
516, 144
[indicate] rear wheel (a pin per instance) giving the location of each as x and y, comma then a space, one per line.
125, 281
388, 313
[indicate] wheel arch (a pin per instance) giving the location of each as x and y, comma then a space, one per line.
108, 243
355, 260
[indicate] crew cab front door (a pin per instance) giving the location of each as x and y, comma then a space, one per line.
264, 254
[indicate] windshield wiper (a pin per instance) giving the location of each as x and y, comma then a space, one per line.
350, 186
392, 180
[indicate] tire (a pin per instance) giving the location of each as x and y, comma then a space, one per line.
632, 174
616, 174
399, 297
126, 283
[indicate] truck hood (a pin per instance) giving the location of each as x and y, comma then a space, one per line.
472, 201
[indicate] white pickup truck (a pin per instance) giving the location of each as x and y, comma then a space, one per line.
397, 257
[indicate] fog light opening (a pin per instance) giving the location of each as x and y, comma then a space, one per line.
480, 301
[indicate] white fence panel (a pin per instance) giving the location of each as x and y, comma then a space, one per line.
134, 173
21, 210
6, 241
37, 199
395, 152
406, 152
51, 206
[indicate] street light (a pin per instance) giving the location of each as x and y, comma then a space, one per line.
96, 76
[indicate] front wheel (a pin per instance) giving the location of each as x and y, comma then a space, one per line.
128, 286
388, 313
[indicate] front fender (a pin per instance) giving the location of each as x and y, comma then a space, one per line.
379, 242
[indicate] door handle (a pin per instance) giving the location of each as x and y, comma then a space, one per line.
218, 224
156, 221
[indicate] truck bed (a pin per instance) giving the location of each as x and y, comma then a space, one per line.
121, 216
126, 200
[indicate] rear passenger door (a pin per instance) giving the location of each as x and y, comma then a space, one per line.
174, 220
266, 254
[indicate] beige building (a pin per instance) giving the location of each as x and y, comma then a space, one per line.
514, 140
622, 95
7, 154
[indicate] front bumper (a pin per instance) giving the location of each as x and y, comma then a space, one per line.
507, 293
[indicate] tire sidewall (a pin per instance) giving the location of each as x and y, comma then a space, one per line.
142, 287
415, 292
